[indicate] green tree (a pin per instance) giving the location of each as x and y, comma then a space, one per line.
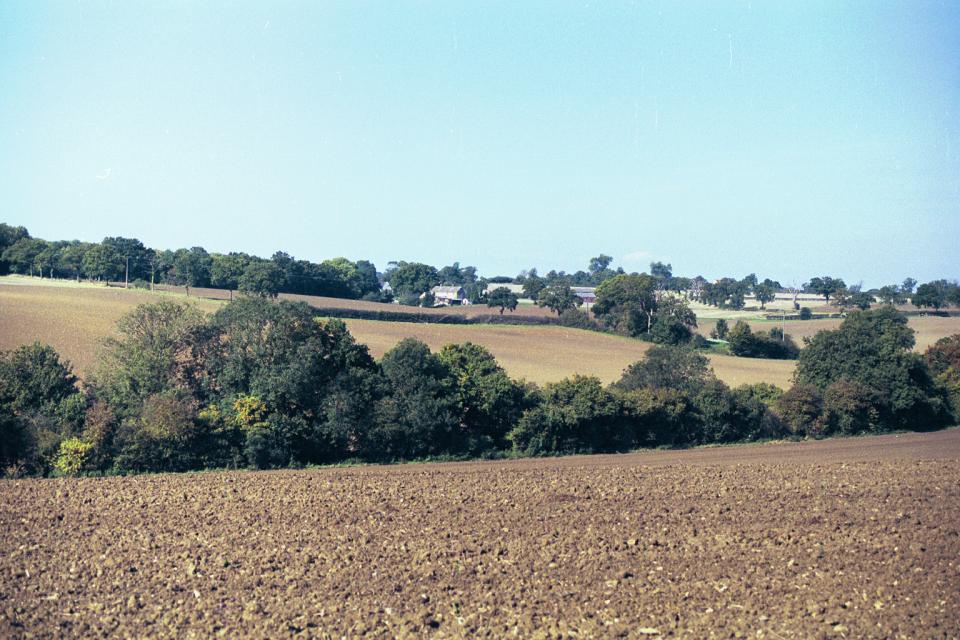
418, 417
908, 285
261, 278
873, 348
310, 373
226, 270
667, 367
558, 297
673, 322
600, 263
503, 298
138, 255
747, 344
719, 331
765, 292
191, 267
40, 406
413, 278
932, 294
627, 303
21, 256
533, 285
9, 235
157, 348
33, 378
575, 415
489, 403
891, 294
825, 286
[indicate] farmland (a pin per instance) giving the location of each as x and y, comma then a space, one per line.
74, 319
840, 538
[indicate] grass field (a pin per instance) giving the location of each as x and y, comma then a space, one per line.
928, 329
841, 538
75, 318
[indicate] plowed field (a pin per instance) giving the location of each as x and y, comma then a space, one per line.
846, 538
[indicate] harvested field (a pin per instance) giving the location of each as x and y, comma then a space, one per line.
852, 538
74, 320
548, 354
928, 329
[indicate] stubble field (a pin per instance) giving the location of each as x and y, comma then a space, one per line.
75, 319
854, 538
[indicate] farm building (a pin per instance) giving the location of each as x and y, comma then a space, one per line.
587, 294
449, 295
516, 289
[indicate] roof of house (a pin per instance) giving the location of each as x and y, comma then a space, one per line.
447, 291
513, 288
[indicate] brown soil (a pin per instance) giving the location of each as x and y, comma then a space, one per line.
845, 538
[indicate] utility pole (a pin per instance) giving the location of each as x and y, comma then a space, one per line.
126, 275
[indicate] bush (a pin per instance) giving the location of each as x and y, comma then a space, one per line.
576, 415
719, 332
800, 409
74, 456
850, 407
666, 367
577, 319
661, 417
165, 436
775, 345
873, 348
805, 313
727, 416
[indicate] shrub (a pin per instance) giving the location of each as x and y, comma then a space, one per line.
800, 409
577, 319
805, 313
165, 436
661, 416
666, 367
74, 456
719, 332
775, 345
850, 407
727, 416
873, 348
575, 415
99, 430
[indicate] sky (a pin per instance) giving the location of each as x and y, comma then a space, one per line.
785, 139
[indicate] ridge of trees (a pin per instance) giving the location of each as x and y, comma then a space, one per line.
266, 384
118, 258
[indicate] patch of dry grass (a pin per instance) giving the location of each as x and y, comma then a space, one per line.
549, 353
928, 329
73, 320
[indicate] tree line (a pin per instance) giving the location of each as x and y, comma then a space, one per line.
119, 259
263, 384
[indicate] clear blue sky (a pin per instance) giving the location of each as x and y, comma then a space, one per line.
790, 139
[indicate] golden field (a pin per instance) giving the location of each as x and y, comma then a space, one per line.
75, 318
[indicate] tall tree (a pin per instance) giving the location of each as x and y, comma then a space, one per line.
627, 303
825, 286
559, 297
503, 298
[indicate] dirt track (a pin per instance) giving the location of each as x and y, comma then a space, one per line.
844, 538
